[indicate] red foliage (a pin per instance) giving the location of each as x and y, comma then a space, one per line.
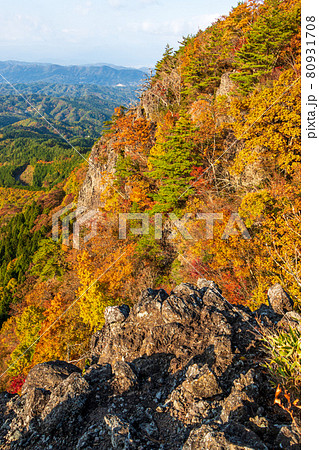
16, 384
233, 289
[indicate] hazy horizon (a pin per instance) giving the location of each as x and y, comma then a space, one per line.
96, 64
122, 32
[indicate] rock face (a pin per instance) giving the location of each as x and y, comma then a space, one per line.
279, 300
96, 177
48, 375
176, 371
226, 85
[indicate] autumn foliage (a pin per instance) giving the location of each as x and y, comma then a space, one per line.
217, 130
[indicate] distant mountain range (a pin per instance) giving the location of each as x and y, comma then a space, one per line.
98, 74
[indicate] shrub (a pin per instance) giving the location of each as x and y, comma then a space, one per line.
284, 360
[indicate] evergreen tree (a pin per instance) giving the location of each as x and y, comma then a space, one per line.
173, 166
269, 35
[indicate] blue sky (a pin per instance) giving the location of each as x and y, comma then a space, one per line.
123, 32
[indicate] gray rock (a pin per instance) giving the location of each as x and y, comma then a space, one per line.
279, 300
201, 383
176, 309
208, 438
95, 180
98, 374
148, 309
116, 314
118, 431
209, 284
240, 435
288, 438
226, 85
66, 401
48, 375
124, 378
238, 404
35, 401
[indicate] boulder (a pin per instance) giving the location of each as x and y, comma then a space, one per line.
279, 300
235, 437
202, 283
98, 373
241, 400
201, 383
116, 314
178, 371
208, 438
124, 377
48, 375
118, 432
176, 309
66, 402
288, 437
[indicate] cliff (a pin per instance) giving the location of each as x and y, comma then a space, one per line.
92, 187
176, 371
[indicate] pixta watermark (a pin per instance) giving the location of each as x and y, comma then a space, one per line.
81, 217
234, 226
83, 224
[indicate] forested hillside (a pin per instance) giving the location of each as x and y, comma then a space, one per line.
217, 130
34, 120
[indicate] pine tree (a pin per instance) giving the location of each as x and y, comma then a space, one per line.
173, 167
265, 42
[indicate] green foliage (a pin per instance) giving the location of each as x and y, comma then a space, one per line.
7, 178
165, 64
173, 167
48, 261
18, 243
126, 167
201, 64
28, 326
156, 253
265, 42
284, 359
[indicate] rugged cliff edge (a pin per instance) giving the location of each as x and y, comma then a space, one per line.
96, 176
178, 371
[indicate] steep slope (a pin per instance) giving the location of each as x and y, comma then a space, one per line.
210, 160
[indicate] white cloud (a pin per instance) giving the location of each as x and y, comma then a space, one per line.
176, 27
21, 28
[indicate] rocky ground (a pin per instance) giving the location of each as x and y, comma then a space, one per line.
178, 371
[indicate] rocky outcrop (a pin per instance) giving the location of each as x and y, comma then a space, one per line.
48, 375
97, 175
279, 300
176, 371
226, 85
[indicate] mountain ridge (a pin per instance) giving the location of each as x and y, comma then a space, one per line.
100, 74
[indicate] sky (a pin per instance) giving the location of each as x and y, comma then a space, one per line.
122, 32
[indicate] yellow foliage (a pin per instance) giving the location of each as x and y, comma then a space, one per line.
101, 285
271, 126
62, 329
27, 329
